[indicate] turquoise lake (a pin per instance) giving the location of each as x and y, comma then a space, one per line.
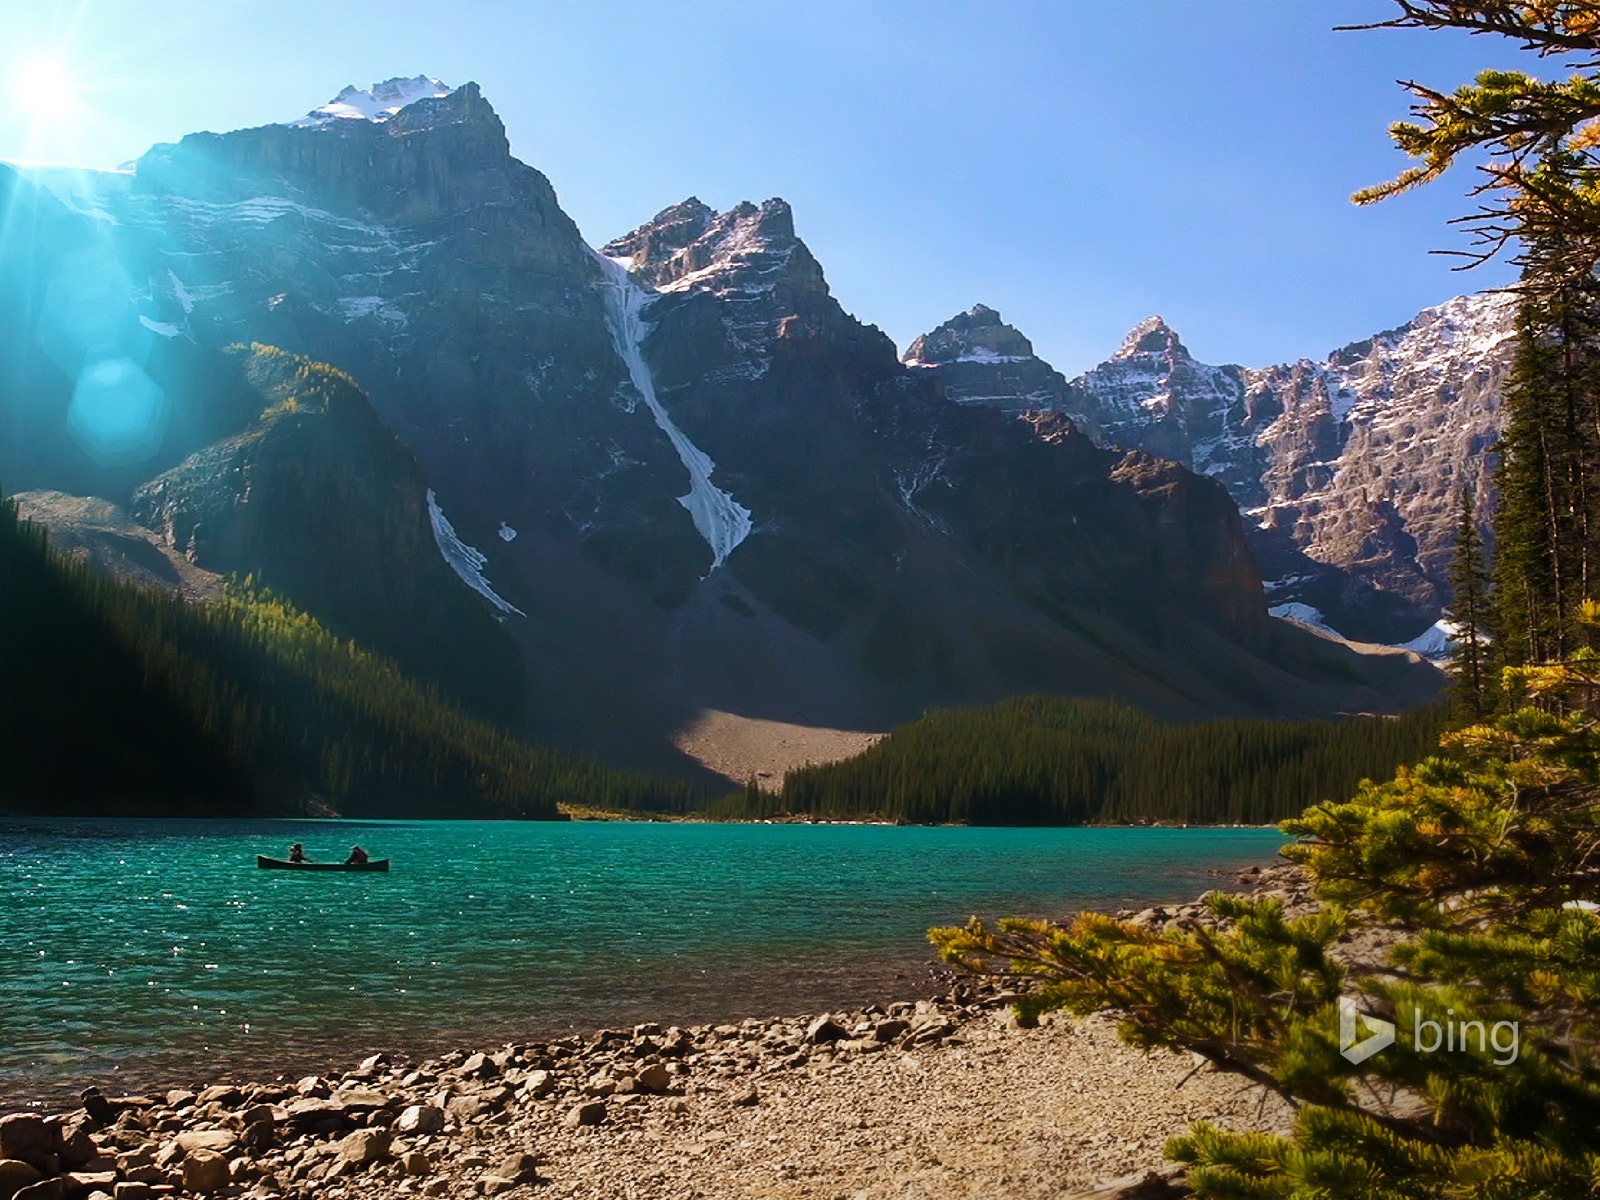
150, 953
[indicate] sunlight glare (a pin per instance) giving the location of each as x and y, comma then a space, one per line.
46, 87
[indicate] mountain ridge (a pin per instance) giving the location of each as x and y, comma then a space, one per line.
1345, 467
603, 407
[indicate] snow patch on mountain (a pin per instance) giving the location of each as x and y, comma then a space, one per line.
1437, 641
1303, 614
164, 328
721, 520
378, 103
180, 293
466, 561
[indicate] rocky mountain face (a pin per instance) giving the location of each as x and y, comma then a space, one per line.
982, 360
1348, 469
674, 469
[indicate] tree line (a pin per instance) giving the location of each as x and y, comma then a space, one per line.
1040, 760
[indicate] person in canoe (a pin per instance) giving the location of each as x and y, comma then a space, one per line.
297, 853
358, 857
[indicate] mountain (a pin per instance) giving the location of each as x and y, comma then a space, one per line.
318, 500
982, 360
674, 470
1347, 468
127, 700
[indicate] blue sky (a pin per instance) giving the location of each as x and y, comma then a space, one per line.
1076, 165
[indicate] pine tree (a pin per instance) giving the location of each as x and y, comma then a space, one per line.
1547, 528
1469, 609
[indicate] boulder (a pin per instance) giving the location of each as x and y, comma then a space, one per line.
358, 1100
520, 1167
371, 1066
365, 1146
495, 1096
493, 1185
222, 1141
934, 1031
223, 1093
477, 1064
45, 1189
97, 1106
654, 1078
16, 1175
420, 1118
539, 1083
825, 1029
415, 1162
463, 1108
31, 1139
169, 1155
79, 1182
78, 1149
590, 1112
205, 1171
256, 1114
258, 1136
745, 1097
132, 1191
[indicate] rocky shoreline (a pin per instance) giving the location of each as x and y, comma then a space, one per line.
949, 1096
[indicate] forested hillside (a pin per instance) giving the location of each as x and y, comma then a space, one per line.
1036, 760
121, 700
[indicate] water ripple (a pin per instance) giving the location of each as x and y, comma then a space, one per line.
145, 951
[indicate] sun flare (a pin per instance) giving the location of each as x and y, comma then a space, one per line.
46, 87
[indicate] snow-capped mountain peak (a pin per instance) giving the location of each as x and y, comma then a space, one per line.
977, 335
378, 103
1150, 336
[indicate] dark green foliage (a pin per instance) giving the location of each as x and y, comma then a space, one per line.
1480, 855
1469, 585
1037, 760
116, 699
317, 499
1547, 528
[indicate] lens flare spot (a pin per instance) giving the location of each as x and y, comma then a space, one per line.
89, 314
118, 414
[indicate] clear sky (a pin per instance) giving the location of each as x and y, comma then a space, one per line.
1077, 164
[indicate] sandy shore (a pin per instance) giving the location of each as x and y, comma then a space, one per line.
946, 1097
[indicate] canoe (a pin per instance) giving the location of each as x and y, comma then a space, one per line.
283, 864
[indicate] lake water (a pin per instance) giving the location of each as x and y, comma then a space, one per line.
150, 953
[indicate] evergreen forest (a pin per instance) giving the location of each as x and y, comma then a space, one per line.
121, 700
1040, 760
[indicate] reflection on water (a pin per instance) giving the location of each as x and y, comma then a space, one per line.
142, 952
